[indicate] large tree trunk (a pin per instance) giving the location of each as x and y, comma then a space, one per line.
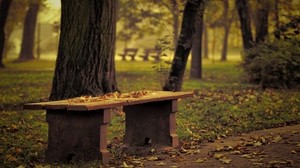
243, 11
27, 47
262, 20
85, 62
184, 45
196, 61
4, 8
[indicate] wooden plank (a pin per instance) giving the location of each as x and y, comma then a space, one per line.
110, 103
42, 105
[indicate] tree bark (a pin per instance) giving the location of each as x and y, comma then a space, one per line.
276, 8
184, 45
4, 8
175, 12
226, 26
196, 61
262, 20
243, 11
205, 41
85, 62
27, 47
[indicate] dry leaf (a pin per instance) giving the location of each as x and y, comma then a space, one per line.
201, 160
160, 164
225, 160
219, 156
152, 158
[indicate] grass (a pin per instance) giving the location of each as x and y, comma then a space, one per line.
223, 106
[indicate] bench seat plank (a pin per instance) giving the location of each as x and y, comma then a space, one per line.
110, 103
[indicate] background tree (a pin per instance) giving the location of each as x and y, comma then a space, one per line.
85, 62
262, 20
245, 23
227, 18
4, 8
184, 45
196, 61
138, 19
27, 47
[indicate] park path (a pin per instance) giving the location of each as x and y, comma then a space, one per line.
276, 147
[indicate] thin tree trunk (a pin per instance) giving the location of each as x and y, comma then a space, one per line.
262, 20
27, 48
205, 42
196, 61
85, 62
184, 45
243, 11
226, 26
175, 12
276, 33
276, 8
4, 8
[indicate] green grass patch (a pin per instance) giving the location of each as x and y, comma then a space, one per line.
223, 106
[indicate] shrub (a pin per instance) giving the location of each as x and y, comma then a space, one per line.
273, 64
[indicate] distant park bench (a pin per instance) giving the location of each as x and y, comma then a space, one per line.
151, 52
78, 126
130, 52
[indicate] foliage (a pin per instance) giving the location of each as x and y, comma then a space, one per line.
137, 19
274, 64
162, 65
290, 29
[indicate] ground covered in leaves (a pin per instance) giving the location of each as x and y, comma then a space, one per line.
279, 147
211, 126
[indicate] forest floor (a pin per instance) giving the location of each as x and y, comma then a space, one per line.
276, 147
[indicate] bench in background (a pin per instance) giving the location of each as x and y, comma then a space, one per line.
130, 52
151, 52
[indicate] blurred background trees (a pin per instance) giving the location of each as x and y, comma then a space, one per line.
228, 27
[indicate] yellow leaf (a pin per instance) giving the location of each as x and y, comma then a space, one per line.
256, 144
225, 160
258, 164
200, 160
152, 158
236, 152
160, 164
248, 156
218, 156
277, 139
293, 152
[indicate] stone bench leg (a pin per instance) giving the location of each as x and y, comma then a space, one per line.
77, 135
151, 123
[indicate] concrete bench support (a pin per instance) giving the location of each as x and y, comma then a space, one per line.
151, 123
77, 135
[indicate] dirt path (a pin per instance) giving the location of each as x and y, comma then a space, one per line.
278, 147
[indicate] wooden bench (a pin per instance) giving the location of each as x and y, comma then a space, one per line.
130, 52
78, 127
151, 52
